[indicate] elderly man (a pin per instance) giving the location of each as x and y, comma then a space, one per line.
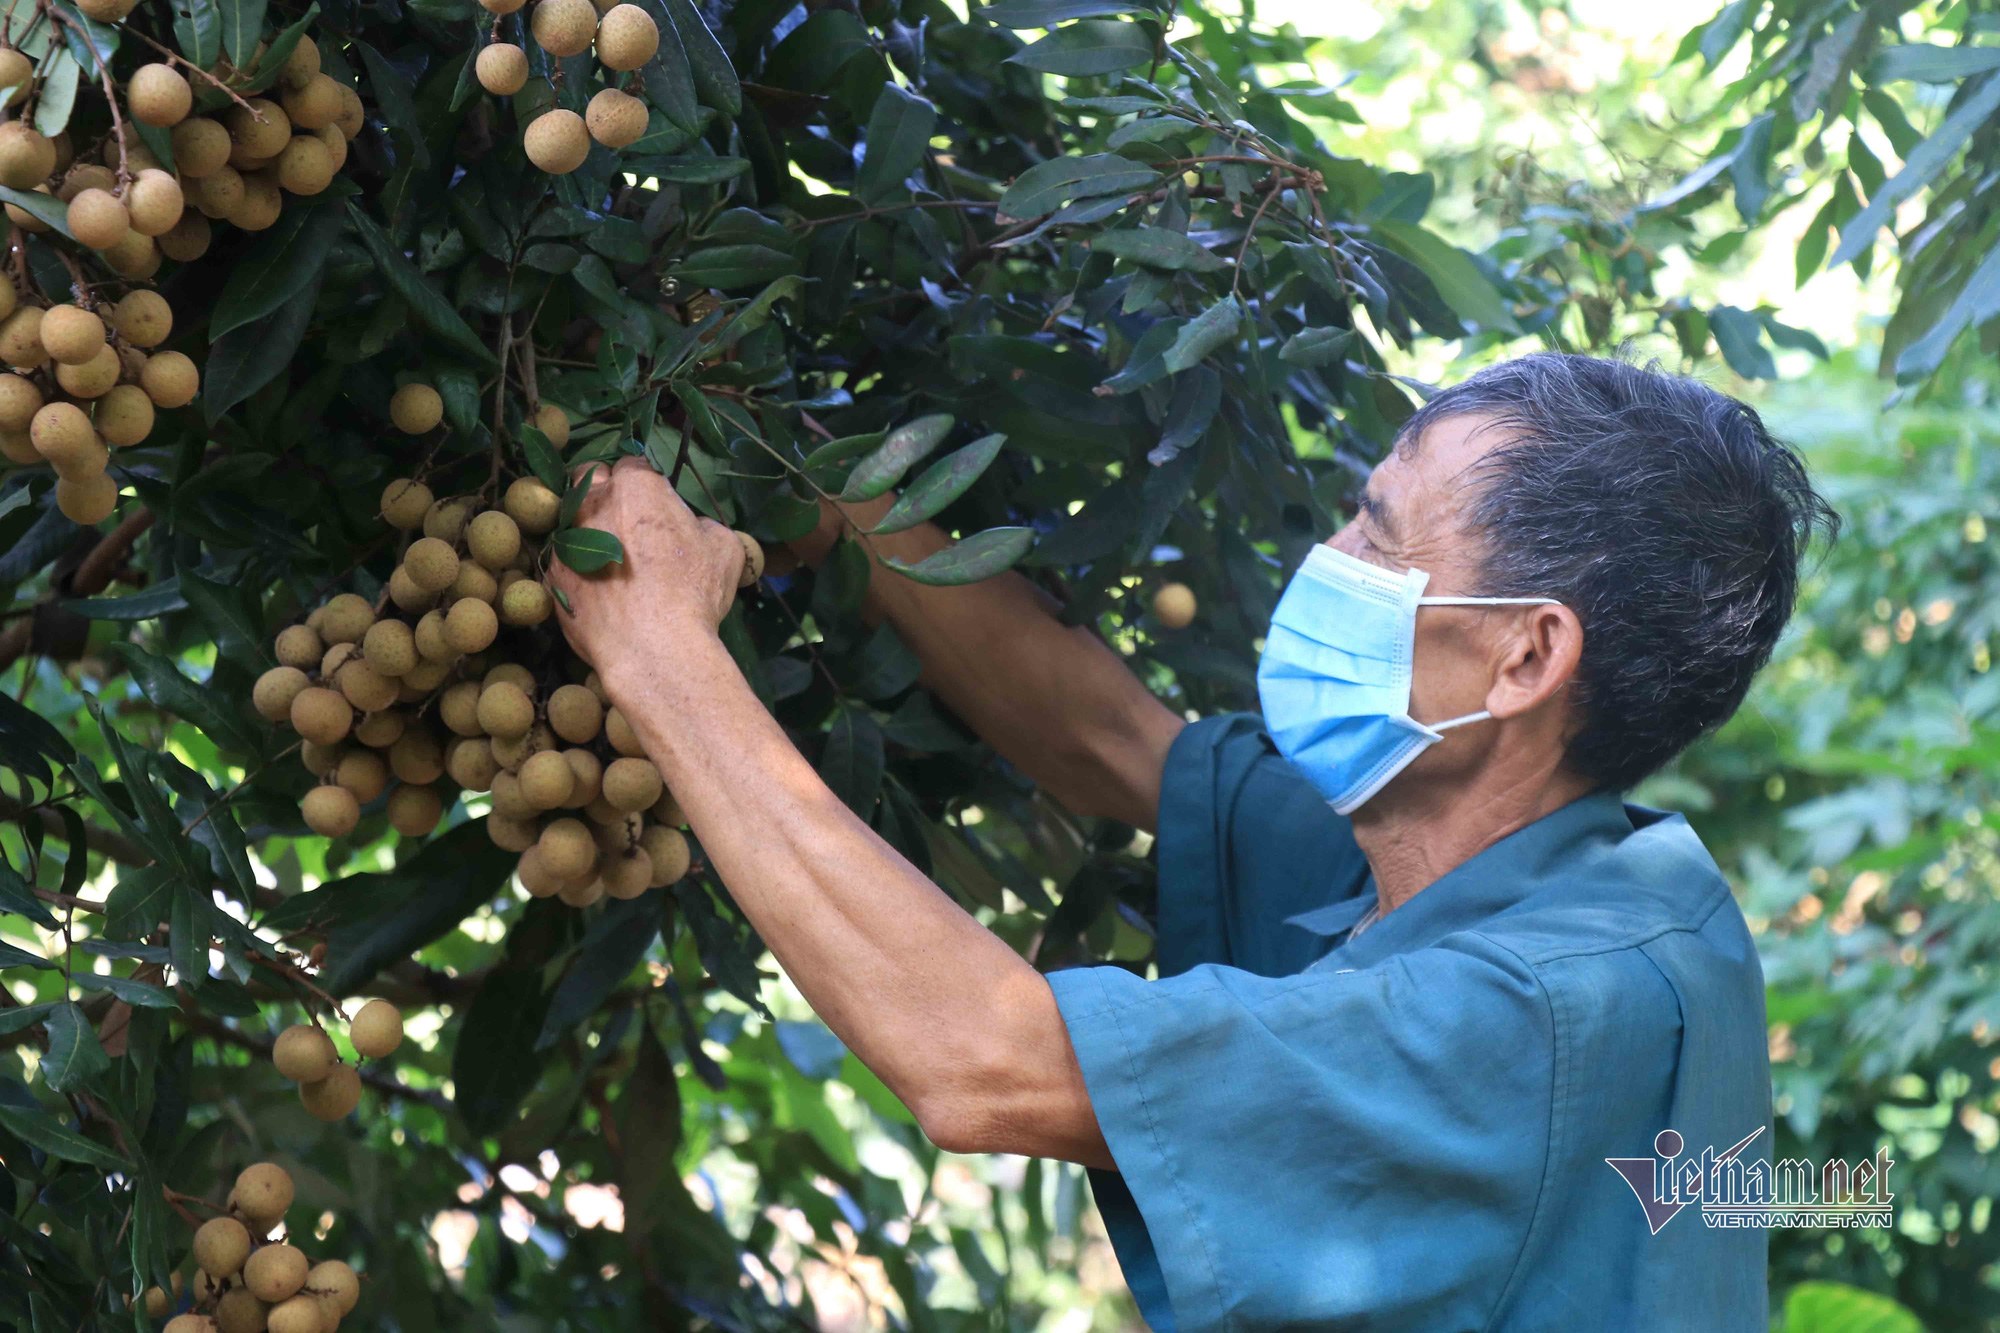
1421, 970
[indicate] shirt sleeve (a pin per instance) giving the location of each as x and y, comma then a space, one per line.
1245, 841
1327, 1150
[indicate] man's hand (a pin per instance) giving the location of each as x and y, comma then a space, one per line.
678, 576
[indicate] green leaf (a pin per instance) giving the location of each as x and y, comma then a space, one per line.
40, 1129
1932, 156
1046, 186
901, 450
407, 908
614, 945
431, 310
1316, 347
1049, 13
210, 710
75, 1056
249, 357
272, 63
493, 1064
1461, 284
1197, 397
198, 30
543, 460
1214, 327
392, 96
43, 206
1738, 336
160, 599
11, 956
753, 316
899, 133
942, 482
23, 1017
851, 764
727, 267
1156, 247
58, 95
1091, 46
669, 80
1925, 62
714, 76
587, 550
1976, 303
231, 616
278, 266
1835, 1307
242, 28
979, 556
132, 992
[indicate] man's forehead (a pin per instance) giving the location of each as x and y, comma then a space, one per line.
1431, 470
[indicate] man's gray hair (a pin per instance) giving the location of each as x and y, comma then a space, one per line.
1663, 514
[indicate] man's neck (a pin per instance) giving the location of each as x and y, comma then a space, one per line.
1414, 838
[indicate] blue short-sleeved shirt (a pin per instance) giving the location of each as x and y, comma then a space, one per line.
1408, 1128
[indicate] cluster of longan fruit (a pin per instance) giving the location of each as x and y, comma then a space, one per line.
85, 380
626, 37
237, 168
329, 1087
246, 1281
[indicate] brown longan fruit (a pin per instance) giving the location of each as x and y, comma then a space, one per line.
201, 148
336, 656
513, 751
63, 434
363, 773
535, 876
753, 560
575, 714
331, 812
221, 1244
508, 798
336, 145
667, 811
632, 784
416, 757
667, 849
21, 337
107, 11
512, 835
493, 538
97, 219
187, 239
404, 503
502, 69
170, 380
587, 777
446, 519
302, 1313
17, 447
299, 646
505, 709
1174, 606
263, 1191
321, 716
473, 581
334, 1280
628, 874
94, 378
124, 416
501, 6
261, 128
619, 732
305, 167
379, 730
301, 65
566, 847
432, 646
557, 141
219, 193
318, 759
421, 679
627, 37
86, 176
553, 422
458, 709
15, 71
365, 687
619, 834
564, 27
275, 1272
27, 157
582, 892
72, 334
389, 647
469, 760
377, 1030
155, 203
532, 506
190, 1322
158, 96
414, 811
87, 500
405, 593
20, 399
546, 780
302, 1054
525, 602
275, 690
615, 118
142, 318
262, 202
313, 105
237, 1311
431, 563
416, 408
352, 114
470, 625
332, 1097
345, 618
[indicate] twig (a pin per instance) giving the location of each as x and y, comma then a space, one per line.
229, 795
94, 574
110, 96
182, 60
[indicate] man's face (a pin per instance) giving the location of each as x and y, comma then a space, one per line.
1413, 515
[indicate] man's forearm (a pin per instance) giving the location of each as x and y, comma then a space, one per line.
1059, 704
949, 1017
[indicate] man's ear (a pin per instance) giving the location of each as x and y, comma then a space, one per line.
1537, 660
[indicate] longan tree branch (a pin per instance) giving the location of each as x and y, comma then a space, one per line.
219, 1031
93, 576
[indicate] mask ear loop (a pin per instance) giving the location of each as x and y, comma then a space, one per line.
1482, 715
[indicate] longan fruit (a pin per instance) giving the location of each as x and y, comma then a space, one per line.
619, 732
221, 1244
275, 690
546, 780
94, 378
334, 1280
667, 849
502, 69
389, 647
473, 581
158, 96
170, 380
627, 37
379, 730
298, 646
416, 408
336, 656
21, 337
582, 892
510, 752
332, 1097
63, 434
458, 709
305, 167
262, 202
505, 709
72, 334
469, 760
1174, 605
20, 399
107, 11
363, 773
420, 680
667, 811
318, 759
263, 1191
261, 128
331, 812
336, 145
301, 1313
405, 593
365, 687
525, 602
493, 539
274, 1272
377, 1030
142, 318
187, 239
431, 564
416, 757
532, 506
27, 157
414, 810
566, 847
535, 876
190, 1323
508, 799
86, 176
301, 65
575, 714
501, 6
615, 118
237, 1311
470, 625
619, 834
632, 784
15, 71
512, 835
446, 519
345, 618
628, 874
753, 560
124, 416
564, 27
321, 716
313, 105
97, 219
155, 203
429, 637
553, 422
219, 193
557, 141
587, 777
404, 503
201, 147
511, 671
86, 501
17, 447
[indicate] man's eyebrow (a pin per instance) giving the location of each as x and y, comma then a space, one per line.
1378, 513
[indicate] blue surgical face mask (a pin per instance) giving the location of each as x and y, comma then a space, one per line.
1335, 675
